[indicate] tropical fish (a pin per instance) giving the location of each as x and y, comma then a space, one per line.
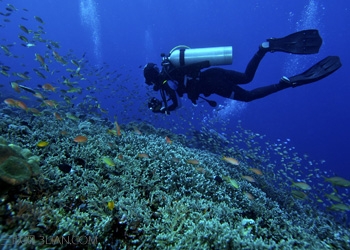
23, 28
39, 19
21, 105
142, 155
11, 7
38, 95
4, 72
55, 44
75, 62
248, 178
42, 144
301, 185
175, 159
16, 87
80, 139
57, 116
23, 97
231, 160
117, 128
249, 195
110, 205
137, 131
28, 45
298, 194
58, 57
6, 49
256, 171
112, 132
51, 103
4, 67
339, 207
34, 111
200, 170
72, 117
333, 197
106, 112
23, 38
23, 75
64, 133
167, 140
338, 181
11, 102
192, 161
108, 161
232, 182
75, 90
48, 87
41, 60
39, 73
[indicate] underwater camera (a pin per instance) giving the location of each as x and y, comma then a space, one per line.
154, 104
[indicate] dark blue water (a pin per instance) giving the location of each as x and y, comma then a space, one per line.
119, 37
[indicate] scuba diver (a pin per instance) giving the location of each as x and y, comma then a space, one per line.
182, 72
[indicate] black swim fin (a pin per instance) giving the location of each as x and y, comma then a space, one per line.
301, 42
320, 70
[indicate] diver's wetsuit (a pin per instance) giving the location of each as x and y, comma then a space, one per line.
216, 81
225, 82
195, 81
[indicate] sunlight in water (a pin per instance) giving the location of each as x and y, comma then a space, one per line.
90, 19
225, 112
309, 20
149, 47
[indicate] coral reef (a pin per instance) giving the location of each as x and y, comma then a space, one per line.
160, 200
17, 165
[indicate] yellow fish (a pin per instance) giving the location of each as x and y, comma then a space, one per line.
110, 205
42, 144
232, 182
339, 207
231, 160
108, 161
75, 90
299, 195
112, 132
301, 185
248, 178
256, 171
72, 117
192, 161
338, 181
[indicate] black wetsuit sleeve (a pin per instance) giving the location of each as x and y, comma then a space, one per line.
177, 74
173, 98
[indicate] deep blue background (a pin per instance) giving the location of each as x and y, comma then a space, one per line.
127, 34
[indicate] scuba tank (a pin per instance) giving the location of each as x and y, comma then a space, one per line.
183, 55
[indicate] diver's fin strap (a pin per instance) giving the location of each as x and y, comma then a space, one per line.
301, 42
320, 70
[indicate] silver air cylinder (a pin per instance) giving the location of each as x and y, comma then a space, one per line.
215, 56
